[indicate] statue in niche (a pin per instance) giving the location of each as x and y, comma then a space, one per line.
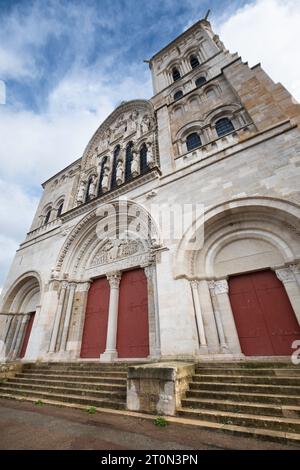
105, 179
92, 187
150, 156
146, 124
134, 164
120, 172
121, 126
81, 192
132, 126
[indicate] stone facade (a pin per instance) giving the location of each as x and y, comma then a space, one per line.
247, 180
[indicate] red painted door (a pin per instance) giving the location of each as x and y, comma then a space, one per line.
27, 335
133, 331
264, 318
96, 317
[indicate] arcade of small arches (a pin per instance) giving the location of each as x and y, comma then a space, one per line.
216, 125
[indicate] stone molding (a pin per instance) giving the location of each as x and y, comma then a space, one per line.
285, 275
219, 287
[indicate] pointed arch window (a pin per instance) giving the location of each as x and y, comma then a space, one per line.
114, 167
194, 61
224, 126
193, 141
175, 74
103, 163
47, 216
59, 209
143, 159
128, 161
178, 95
200, 81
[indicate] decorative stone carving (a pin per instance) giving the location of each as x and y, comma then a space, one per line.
219, 287
285, 275
83, 286
146, 124
114, 279
295, 267
81, 192
115, 249
132, 123
120, 173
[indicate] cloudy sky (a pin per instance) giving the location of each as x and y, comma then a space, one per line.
66, 64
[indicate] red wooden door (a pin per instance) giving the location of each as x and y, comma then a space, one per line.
133, 331
264, 317
27, 335
96, 317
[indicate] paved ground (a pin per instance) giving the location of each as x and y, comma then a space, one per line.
28, 426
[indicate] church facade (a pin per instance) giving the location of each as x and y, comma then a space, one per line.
216, 134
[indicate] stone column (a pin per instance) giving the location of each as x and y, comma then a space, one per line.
56, 324
209, 320
153, 317
288, 279
66, 326
110, 352
12, 353
223, 306
198, 315
74, 339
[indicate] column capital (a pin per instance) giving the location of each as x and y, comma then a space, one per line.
149, 271
285, 275
83, 286
114, 279
219, 287
295, 268
194, 283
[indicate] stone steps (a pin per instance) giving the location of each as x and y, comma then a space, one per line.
277, 372
74, 384
239, 387
263, 397
76, 378
253, 379
246, 396
243, 407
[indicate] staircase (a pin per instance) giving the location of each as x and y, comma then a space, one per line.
257, 399
69, 384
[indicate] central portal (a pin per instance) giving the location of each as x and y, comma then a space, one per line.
132, 325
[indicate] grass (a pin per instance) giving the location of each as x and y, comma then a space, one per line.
91, 410
39, 403
160, 421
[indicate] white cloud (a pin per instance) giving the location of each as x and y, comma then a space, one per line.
267, 31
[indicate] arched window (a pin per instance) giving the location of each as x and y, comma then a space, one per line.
194, 61
178, 95
175, 74
104, 160
224, 126
114, 167
128, 160
47, 216
193, 141
200, 81
59, 209
143, 159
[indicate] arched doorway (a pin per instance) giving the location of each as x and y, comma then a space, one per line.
264, 318
247, 259
19, 307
